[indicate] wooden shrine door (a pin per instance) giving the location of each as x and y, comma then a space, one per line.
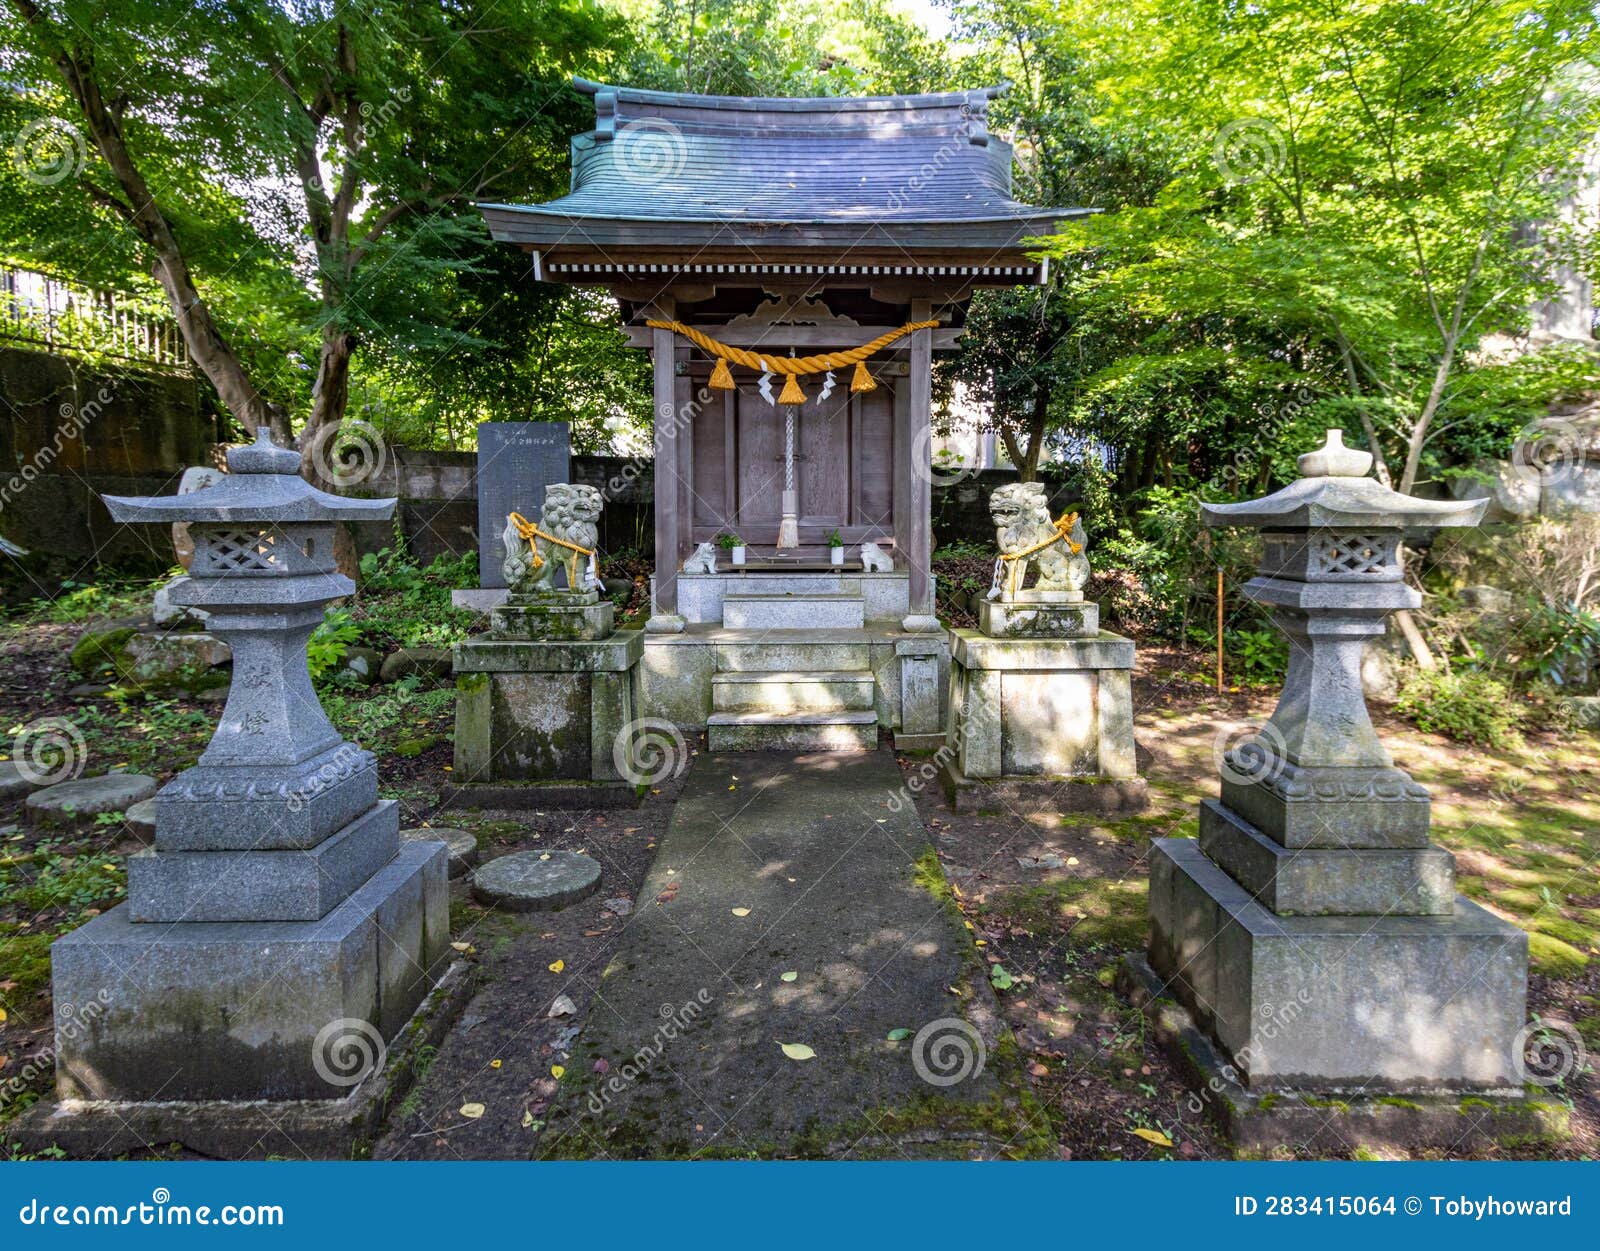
844, 464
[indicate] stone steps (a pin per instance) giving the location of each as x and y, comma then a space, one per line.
793, 612
792, 651
819, 691
793, 731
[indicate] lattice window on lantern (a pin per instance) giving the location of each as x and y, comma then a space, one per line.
1354, 555
221, 552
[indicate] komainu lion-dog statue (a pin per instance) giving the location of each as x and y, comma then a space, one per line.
1021, 514
571, 514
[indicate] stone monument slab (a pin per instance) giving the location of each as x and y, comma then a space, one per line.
517, 460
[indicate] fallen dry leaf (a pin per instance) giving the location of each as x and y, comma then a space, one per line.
558, 966
472, 1111
741, 912
557, 1071
562, 1006
1153, 1136
798, 1051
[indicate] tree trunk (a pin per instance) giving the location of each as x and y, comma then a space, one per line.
208, 347
330, 395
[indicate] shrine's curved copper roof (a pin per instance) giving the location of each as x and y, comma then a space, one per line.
662, 169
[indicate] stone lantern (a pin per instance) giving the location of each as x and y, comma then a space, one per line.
277, 920
1313, 931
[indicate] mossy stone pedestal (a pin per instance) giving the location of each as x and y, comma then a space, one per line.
1041, 718
538, 721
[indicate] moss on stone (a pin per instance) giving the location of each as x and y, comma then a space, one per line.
99, 649
27, 963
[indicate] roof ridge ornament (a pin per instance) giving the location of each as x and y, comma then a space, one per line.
1334, 460
263, 456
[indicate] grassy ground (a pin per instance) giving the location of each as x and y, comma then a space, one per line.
1524, 824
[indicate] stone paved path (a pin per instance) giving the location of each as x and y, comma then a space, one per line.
774, 865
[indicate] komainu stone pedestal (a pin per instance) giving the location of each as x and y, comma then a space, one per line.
1041, 723
545, 698
1309, 950
276, 937
538, 721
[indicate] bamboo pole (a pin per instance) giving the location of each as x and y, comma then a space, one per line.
1219, 629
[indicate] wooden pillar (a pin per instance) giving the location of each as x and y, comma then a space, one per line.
668, 472
915, 528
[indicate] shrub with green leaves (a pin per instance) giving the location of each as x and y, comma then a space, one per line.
1465, 705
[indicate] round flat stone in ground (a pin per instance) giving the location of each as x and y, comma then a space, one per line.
463, 846
14, 783
526, 881
79, 802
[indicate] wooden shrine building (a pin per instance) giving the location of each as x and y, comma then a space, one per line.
757, 247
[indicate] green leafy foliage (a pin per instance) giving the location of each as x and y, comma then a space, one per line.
1464, 704
399, 604
329, 641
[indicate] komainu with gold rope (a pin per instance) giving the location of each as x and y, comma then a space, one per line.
1026, 535
566, 537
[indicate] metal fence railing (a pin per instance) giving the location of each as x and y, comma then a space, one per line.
70, 318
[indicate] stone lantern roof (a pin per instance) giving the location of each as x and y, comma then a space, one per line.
1336, 494
263, 486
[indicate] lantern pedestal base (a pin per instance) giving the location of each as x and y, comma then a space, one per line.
1257, 1122
275, 1010
1391, 1004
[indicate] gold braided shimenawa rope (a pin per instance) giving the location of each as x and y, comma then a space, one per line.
794, 366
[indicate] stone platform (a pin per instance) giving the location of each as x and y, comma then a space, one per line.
804, 866
1042, 723
318, 1129
1257, 1122
1386, 1003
